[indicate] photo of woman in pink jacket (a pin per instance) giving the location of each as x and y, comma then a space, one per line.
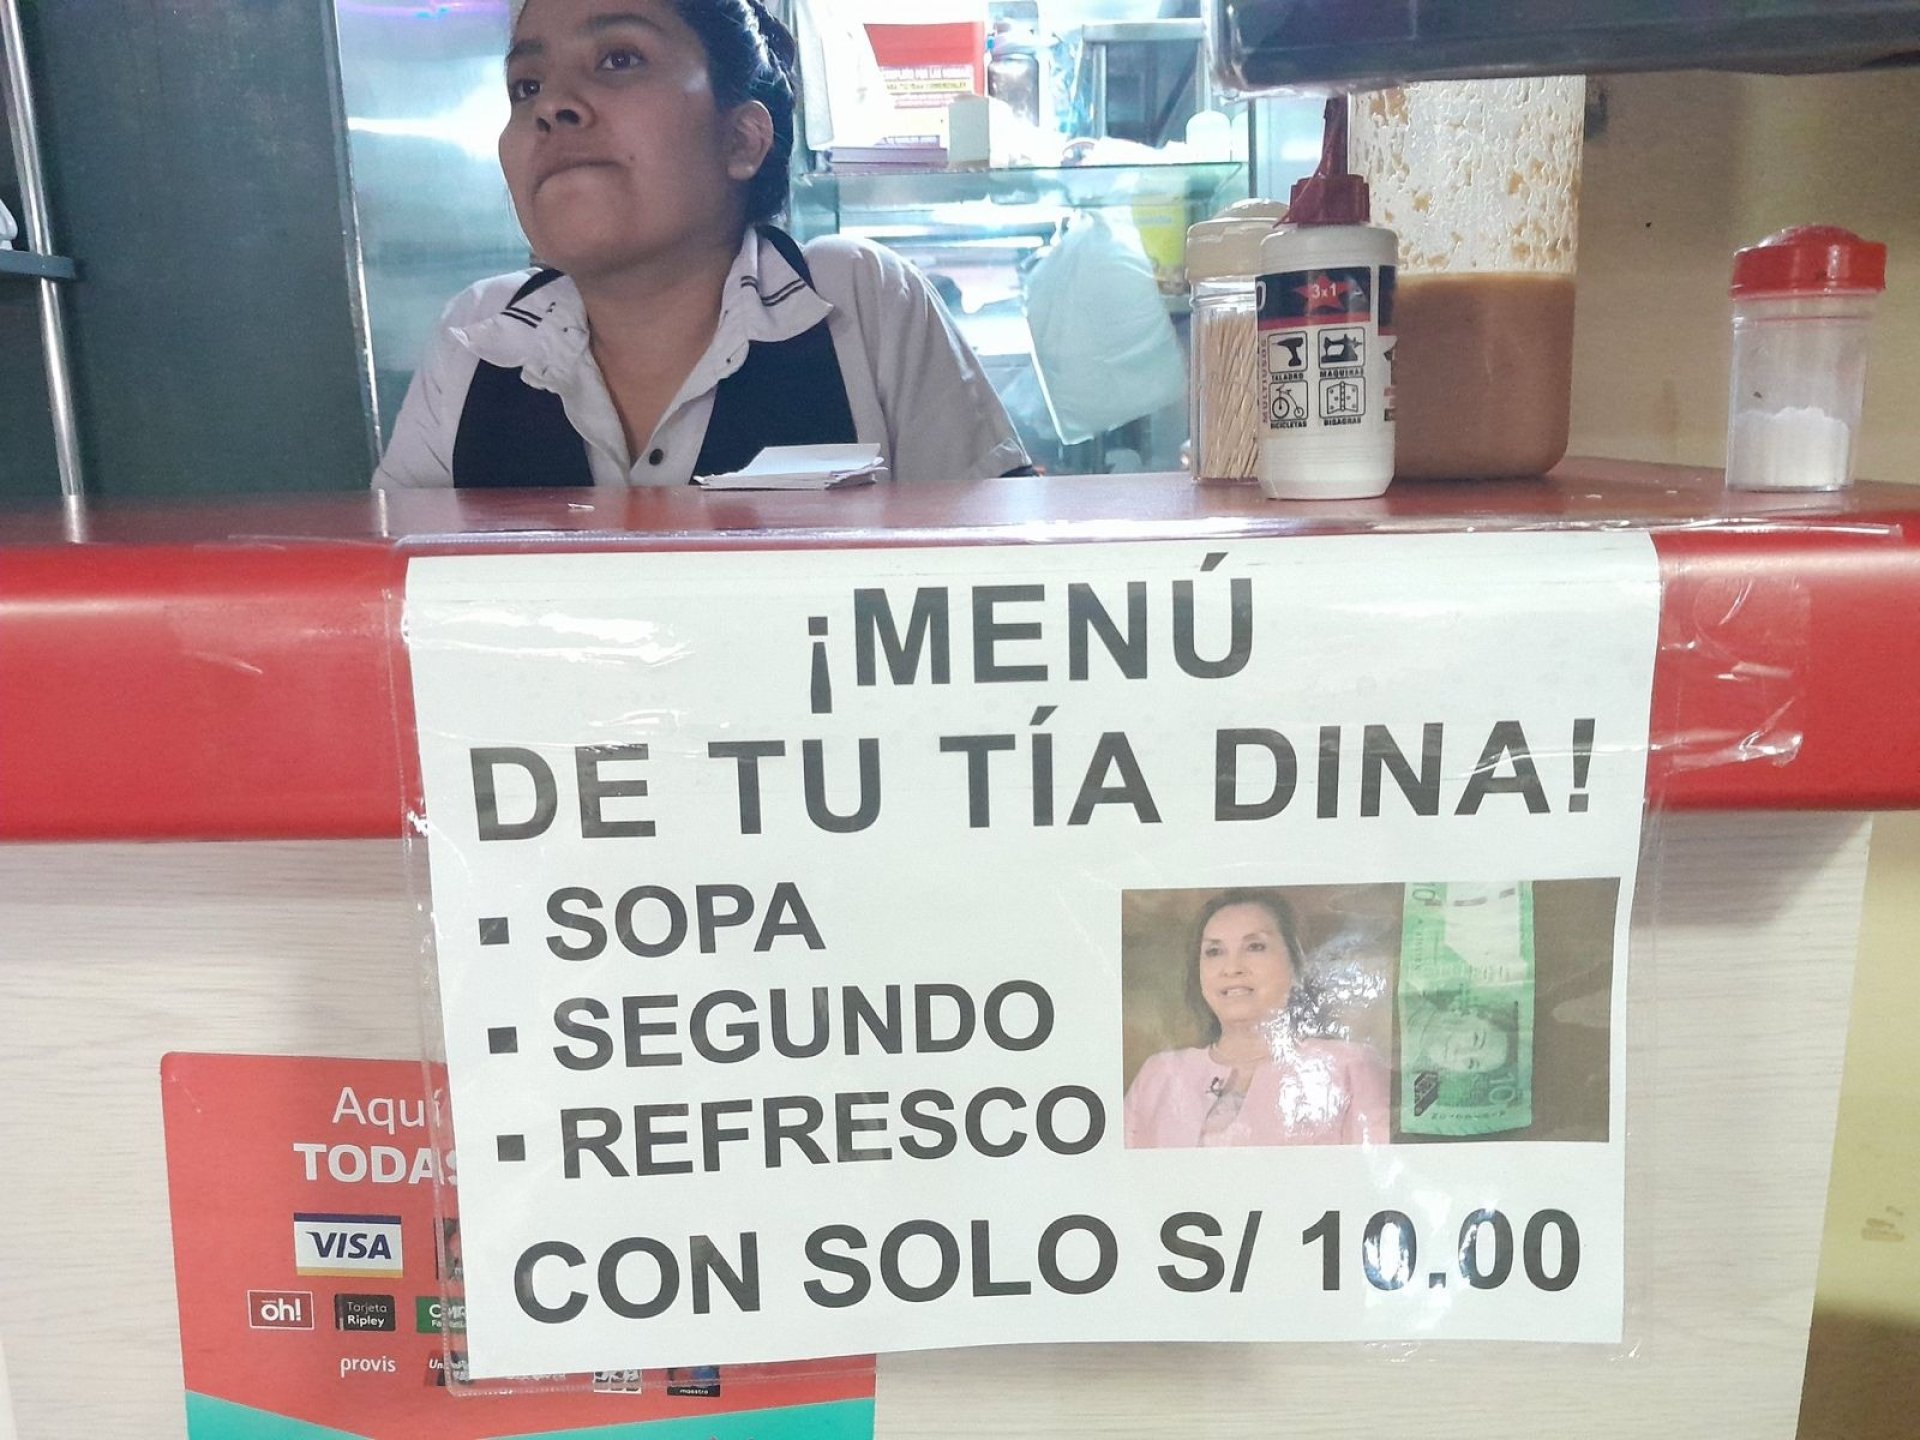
1258, 1076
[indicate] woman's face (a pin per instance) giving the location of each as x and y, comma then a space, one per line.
1467, 1043
615, 151
1246, 973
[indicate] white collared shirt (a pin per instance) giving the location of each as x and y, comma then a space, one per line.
914, 386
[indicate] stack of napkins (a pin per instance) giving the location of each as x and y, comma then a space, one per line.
803, 467
898, 159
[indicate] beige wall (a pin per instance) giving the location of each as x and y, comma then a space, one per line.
1686, 169
1863, 1367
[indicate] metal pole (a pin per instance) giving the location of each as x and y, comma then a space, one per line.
16, 88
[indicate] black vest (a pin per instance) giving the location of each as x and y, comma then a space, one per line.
788, 392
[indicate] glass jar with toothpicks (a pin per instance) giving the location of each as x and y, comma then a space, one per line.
1223, 257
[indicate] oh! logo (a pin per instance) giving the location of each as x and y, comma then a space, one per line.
280, 1309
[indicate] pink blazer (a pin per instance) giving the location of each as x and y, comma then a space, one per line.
1317, 1092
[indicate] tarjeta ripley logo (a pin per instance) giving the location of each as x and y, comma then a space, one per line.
365, 1312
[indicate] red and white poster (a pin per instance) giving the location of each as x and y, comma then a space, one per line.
928, 59
319, 1290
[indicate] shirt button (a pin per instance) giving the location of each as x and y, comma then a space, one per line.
656, 457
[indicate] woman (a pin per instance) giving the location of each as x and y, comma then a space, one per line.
676, 331
1255, 1079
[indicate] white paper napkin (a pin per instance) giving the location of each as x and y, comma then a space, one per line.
803, 467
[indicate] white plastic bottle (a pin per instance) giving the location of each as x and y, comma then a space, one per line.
1325, 297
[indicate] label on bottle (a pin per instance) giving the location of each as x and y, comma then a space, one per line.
1383, 321
1326, 348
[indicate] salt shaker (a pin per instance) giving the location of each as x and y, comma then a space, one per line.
1803, 302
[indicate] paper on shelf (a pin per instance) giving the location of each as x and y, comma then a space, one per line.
803, 467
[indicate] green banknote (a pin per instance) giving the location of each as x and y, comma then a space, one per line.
1466, 1009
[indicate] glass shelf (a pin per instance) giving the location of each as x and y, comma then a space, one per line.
1068, 185
27, 265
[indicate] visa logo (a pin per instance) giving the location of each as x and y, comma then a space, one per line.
347, 1245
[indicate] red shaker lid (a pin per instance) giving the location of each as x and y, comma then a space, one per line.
1810, 260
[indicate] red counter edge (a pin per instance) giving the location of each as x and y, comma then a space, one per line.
235, 693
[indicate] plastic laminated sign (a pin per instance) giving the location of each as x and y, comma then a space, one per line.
1209, 937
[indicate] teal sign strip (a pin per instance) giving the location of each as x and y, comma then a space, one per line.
211, 1419
837, 1420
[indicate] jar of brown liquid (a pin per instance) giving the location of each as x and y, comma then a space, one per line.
1481, 180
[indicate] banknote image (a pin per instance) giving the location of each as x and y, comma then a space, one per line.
1466, 999
1413, 1012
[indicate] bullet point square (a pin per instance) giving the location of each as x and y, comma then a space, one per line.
511, 1147
503, 1040
493, 930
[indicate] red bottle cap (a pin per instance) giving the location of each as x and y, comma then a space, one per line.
1329, 200
1331, 195
1810, 260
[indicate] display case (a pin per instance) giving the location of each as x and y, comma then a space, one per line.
1097, 116
981, 235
